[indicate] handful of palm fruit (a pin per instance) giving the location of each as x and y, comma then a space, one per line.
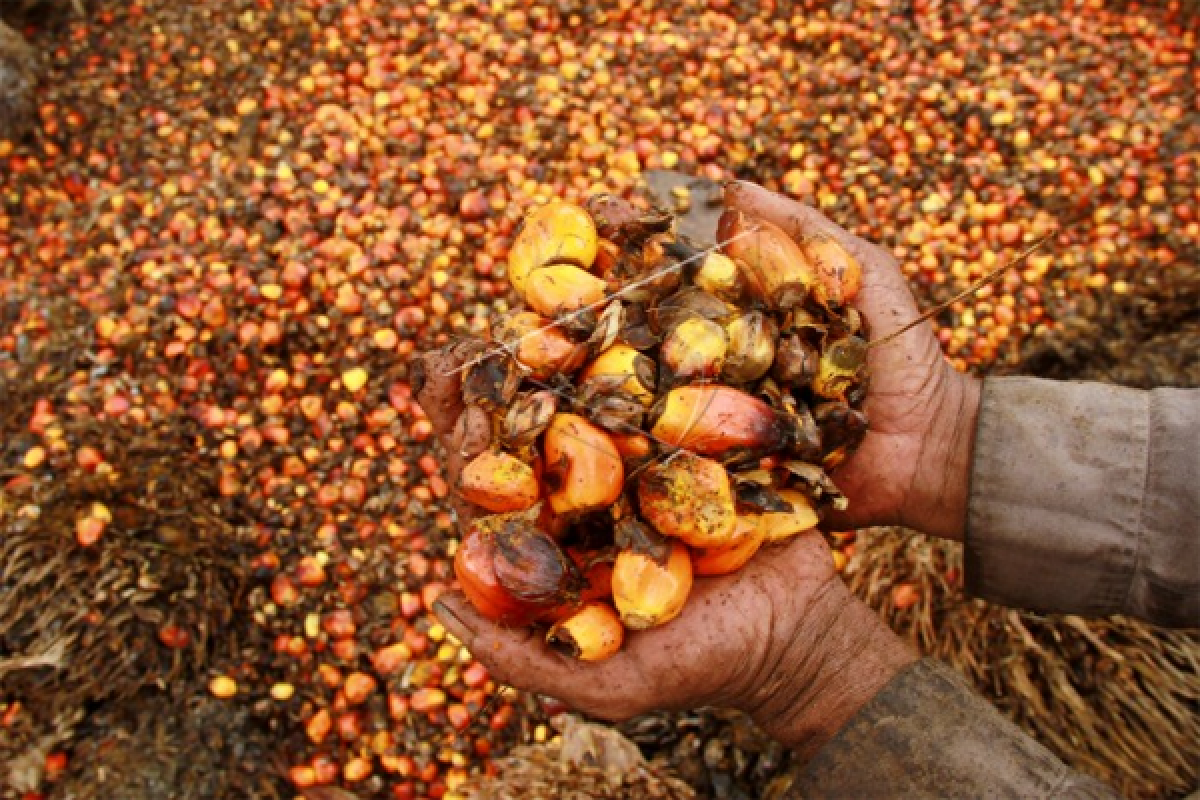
658, 412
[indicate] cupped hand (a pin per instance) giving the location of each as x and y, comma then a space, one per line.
912, 467
750, 640
782, 639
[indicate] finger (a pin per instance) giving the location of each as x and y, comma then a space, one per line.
471, 435
519, 657
436, 379
796, 219
885, 298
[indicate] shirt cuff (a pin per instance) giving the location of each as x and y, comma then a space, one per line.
1057, 480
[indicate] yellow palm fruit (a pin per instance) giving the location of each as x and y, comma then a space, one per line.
557, 232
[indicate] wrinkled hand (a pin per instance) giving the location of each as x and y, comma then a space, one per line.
754, 640
782, 639
912, 467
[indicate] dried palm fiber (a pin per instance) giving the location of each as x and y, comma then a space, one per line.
586, 762
1146, 336
18, 76
18, 61
79, 626
182, 743
1115, 697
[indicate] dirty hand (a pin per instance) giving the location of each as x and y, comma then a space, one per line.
782, 639
913, 466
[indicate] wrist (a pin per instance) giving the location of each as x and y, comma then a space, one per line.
936, 502
841, 656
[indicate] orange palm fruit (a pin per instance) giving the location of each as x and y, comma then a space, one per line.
560, 289
539, 345
475, 568
633, 446
747, 539
596, 584
775, 269
592, 633
695, 349
779, 525
608, 256
530, 564
598, 577
840, 272
583, 470
689, 497
557, 232
715, 420
622, 359
499, 482
648, 593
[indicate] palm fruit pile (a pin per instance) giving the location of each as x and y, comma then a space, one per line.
658, 412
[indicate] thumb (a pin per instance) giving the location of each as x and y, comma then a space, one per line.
514, 656
885, 299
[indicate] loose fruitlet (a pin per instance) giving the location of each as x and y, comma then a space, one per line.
499, 482
689, 497
637, 369
538, 345
747, 538
774, 267
583, 467
593, 633
562, 289
717, 420
532, 567
556, 233
657, 413
840, 272
779, 525
475, 568
751, 348
648, 593
720, 276
695, 349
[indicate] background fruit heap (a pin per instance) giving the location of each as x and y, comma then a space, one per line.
658, 411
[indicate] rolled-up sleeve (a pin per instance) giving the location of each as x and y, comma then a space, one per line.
927, 735
1085, 498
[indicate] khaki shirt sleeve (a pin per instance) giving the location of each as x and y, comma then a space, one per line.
1085, 499
927, 735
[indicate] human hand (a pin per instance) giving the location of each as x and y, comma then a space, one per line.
913, 466
782, 639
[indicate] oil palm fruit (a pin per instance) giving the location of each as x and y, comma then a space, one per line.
658, 412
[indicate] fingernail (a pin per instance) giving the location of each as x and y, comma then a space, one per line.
452, 622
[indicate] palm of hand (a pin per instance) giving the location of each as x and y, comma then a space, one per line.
721, 650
